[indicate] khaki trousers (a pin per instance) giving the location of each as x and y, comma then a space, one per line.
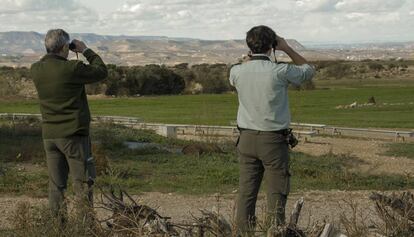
262, 154
72, 156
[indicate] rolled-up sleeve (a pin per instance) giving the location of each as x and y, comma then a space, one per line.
297, 74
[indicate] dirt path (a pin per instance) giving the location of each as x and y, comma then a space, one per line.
370, 152
319, 206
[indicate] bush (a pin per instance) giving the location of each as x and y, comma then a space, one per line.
153, 80
114, 80
213, 78
308, 85
324, 64
188, 76
375, 66
392, 66
362, 69
338, 70
13, 80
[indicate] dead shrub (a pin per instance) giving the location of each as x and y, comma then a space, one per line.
396, 213
29, 221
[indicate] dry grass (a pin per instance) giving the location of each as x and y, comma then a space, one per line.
355, 224
39, 222
393, 218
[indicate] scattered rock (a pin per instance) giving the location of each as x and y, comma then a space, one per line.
372, 100
353, 105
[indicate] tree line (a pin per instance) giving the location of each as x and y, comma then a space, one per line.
191, 79
160, 80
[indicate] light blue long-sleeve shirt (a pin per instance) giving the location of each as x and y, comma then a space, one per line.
262, 87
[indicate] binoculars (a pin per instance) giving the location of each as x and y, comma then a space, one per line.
274, 45
72, 46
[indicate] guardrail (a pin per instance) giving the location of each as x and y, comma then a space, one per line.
112, 119
357, 132
312, 127
378, 133
191, 131
117, 119
20, 116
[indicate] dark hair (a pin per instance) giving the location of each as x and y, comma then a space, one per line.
260, 39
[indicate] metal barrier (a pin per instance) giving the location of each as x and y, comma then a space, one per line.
182, 130
372, 133
356, 132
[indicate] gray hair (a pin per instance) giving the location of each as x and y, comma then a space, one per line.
55, 40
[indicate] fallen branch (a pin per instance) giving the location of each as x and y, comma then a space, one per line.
403, 204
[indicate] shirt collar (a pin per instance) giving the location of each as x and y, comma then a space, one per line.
260, 56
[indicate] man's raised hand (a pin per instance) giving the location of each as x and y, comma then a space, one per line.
282, 45
80, 46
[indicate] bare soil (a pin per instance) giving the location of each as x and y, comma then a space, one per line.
369, 152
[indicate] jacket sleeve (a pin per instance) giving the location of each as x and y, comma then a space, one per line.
93, 72
297, 75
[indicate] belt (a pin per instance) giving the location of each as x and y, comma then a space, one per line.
282, 131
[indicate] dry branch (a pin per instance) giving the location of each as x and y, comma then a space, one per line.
403, 204
291, 229
129, 217
294, 218
327, 231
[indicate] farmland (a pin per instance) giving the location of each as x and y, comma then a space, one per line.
393, 110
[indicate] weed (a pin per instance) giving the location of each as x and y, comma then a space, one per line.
400, 150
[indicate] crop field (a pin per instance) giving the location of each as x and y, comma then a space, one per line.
394, 109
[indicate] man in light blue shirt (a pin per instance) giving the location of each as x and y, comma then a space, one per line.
264, 118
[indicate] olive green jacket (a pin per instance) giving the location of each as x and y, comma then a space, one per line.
60, 84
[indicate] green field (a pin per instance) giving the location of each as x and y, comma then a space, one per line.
315, 106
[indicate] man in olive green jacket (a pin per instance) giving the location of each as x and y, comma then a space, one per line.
60, 85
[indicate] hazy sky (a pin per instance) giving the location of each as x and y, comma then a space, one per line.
304, 20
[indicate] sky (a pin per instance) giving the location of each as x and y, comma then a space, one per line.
323, 21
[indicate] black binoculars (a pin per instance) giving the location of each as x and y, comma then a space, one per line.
72, 46
274, 45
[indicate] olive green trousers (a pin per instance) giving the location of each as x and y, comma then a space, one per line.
262, 155
72, 156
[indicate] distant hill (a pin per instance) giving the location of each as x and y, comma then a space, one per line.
363, 46
132, 50
23, 48
21, 42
